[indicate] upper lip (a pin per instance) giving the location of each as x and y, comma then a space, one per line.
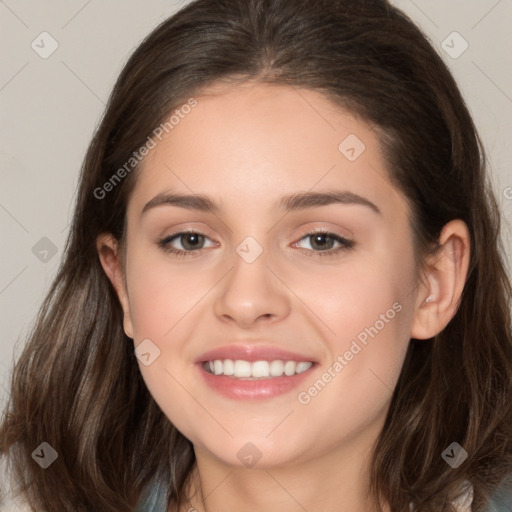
252, 352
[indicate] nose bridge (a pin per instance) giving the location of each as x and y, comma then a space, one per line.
250, 250
250, 290
250, 276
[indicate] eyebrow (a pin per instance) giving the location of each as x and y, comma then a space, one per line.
293, 202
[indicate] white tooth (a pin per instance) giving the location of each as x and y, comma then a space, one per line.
257, 369
260, 369
217, 367
303, 366
289, 368
242, 368
276, 368
229, 368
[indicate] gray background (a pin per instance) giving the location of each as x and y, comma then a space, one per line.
51, 106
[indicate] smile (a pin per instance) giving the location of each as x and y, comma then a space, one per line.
248, 370
257, 380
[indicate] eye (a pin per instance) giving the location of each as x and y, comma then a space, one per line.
190, 241
321, 243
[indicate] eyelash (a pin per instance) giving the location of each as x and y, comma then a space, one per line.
345, 244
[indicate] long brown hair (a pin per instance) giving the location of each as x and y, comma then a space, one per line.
77, 385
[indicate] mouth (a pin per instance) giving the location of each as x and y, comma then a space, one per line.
239, 379
256, 370
251, 370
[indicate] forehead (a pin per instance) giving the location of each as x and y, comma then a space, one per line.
252, 143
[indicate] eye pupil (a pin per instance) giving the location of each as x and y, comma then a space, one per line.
190, 237
320, 240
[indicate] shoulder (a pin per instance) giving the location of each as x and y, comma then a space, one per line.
154, 499
501, 500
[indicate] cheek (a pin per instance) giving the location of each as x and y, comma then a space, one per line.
161, 295
356, 295
163, 301
366, 355
368, 313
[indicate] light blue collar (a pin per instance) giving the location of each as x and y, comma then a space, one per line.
155, 500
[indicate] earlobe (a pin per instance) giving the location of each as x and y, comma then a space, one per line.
439, 297
111, 260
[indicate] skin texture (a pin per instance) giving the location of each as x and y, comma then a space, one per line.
245, 147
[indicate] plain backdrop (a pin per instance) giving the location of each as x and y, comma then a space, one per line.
51, 103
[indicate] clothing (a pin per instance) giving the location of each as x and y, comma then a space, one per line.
155, 500
501, 500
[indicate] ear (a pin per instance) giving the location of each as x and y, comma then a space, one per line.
111, 260
439, 295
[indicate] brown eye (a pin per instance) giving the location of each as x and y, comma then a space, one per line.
190, 242
322, 243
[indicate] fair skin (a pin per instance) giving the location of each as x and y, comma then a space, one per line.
245, 147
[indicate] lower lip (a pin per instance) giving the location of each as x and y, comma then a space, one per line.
232, 387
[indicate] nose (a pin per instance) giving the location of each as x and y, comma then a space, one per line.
251, 294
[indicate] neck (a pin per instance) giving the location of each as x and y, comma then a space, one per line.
336, 481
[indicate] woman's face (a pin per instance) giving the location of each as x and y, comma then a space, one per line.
256, 285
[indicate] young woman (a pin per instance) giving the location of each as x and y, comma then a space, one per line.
283, 286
